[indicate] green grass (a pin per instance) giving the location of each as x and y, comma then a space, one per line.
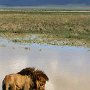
74, 26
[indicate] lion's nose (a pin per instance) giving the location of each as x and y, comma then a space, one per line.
43, 87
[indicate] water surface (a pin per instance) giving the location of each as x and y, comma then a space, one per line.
68, 67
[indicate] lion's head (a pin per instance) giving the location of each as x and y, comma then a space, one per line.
41, 79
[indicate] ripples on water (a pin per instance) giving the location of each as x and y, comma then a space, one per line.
68, 68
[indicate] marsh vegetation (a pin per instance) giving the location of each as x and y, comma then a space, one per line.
61, 28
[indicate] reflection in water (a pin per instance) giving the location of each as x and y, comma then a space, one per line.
68, 68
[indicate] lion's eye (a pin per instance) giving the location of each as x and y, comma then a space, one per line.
41, 84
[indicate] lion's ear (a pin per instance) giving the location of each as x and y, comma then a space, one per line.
38, 77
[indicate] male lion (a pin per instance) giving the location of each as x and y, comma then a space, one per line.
26, 79
17, 82
39, 77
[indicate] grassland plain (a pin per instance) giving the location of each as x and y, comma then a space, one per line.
71, 28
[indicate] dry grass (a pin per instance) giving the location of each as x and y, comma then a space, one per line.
60, 25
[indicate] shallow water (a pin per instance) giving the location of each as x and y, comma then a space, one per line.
68, 68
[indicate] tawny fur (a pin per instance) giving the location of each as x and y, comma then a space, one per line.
17, 82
